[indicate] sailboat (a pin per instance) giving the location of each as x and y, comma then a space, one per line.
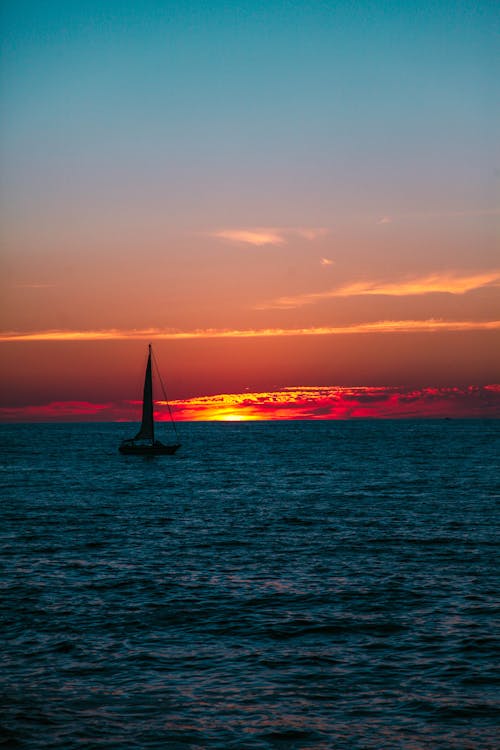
144, 443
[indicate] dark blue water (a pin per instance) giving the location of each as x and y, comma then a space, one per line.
274, 585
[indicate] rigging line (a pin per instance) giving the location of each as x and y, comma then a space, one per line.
165, 396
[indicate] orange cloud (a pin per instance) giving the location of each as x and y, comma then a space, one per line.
269, 235
343, 403
444, 283
156, 334
299, 402
251, 236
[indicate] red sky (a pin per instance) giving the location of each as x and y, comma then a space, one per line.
382, 374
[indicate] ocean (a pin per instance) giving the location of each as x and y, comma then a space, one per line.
274, 585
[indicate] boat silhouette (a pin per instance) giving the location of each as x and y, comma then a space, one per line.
145, 443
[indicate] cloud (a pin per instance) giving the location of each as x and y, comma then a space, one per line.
333, 402
326, 261
251, 236
61, 411
152, 334
443, 283
268, 235
448, 283
259, 236
297, 402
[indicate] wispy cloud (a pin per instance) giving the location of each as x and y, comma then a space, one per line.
62, 411
256, 237
326, 261
259, 236
334, 402
297, 402
152, 334
449, 283
444, 283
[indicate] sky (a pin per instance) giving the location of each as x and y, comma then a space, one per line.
297, 203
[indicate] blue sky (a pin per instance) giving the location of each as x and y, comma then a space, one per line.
338, 107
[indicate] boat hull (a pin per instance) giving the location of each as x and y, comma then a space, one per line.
158, 449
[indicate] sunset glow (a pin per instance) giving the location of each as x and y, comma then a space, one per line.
344, 403
288, 403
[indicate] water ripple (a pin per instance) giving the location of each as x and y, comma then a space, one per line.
240, 596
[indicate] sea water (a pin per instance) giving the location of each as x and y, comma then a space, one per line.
273, 585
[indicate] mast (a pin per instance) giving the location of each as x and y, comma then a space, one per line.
147, 427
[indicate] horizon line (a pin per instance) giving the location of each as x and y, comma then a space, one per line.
284, 404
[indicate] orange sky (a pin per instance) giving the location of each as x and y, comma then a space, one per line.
103, 379
302, 196
287, 403
254, 312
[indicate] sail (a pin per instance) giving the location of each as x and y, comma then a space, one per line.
147, 427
